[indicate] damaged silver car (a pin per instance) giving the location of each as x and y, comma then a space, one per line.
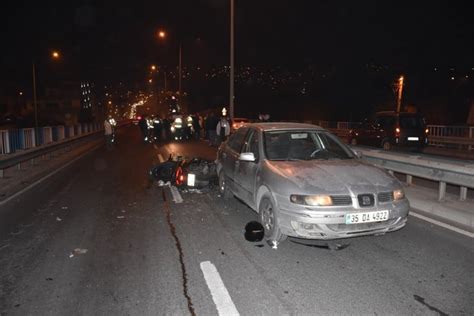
305, 183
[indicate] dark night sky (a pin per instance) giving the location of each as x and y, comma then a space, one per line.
120, 34
116, 40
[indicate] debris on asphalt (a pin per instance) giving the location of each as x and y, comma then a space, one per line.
123, 211
273, 243
58, 219
64, 207
49, 279
254, 231
78, 251
121, 216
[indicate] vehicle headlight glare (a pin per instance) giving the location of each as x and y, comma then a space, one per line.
312, 200
398, 195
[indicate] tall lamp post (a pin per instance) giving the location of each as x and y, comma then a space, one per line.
162, 35
400, 91
231, 76
54, 55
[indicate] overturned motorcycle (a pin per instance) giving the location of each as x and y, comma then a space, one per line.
196, 173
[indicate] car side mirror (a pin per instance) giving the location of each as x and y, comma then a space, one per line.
247, 157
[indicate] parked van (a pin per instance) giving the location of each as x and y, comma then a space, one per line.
389, 129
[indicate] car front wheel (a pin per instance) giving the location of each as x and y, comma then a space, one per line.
269, 220
223, 188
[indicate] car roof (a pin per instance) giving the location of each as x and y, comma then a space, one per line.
393, 113
275, 126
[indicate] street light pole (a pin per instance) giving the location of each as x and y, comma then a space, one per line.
231, 77
179, 71
35, 105
400, 91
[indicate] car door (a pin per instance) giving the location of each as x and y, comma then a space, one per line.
246, 171
364, 132
229, 155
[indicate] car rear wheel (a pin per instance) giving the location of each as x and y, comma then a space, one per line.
223, 188
269, 220
386, 145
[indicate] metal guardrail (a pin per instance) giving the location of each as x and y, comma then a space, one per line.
458, 174
51, 139
439, 135
31, 155
28, 138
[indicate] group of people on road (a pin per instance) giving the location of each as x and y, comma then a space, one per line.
216, 130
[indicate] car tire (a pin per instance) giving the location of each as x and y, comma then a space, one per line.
223, 188
353, 142
269, 220
386, 145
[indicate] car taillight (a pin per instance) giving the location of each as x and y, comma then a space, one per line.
179, 176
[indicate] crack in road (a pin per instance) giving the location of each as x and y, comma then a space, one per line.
180, 251
421, 300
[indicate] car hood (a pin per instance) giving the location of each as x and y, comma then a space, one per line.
333, 176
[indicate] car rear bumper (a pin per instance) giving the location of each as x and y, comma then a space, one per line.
330, 224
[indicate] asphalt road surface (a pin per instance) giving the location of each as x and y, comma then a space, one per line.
98, 240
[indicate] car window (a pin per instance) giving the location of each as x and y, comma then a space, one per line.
386, 121
236, 140
251, 143
303, 145
411, 121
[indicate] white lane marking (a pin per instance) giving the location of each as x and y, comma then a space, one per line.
447, 226
160, 158
220, 295
46, 177
175, 193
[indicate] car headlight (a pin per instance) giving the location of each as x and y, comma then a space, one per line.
398, 195
312, 200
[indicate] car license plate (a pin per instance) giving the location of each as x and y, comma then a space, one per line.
191, 179
413, 139
366, 217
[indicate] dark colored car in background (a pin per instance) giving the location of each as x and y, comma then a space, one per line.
389, 129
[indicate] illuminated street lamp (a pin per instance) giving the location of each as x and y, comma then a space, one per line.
54, 55
400, 91
153, 67
162, 35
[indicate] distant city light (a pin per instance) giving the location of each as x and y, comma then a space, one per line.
20, 93
452, 78
55, 54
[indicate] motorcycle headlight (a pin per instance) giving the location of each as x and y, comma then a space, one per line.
312, 200
398, 195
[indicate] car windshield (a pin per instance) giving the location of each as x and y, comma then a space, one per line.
304, 145
411, 121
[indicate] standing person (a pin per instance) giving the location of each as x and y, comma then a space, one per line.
108, 132
196, 126
223, 129
143, 128
211, 125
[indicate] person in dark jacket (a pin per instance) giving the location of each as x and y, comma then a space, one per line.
143, 128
